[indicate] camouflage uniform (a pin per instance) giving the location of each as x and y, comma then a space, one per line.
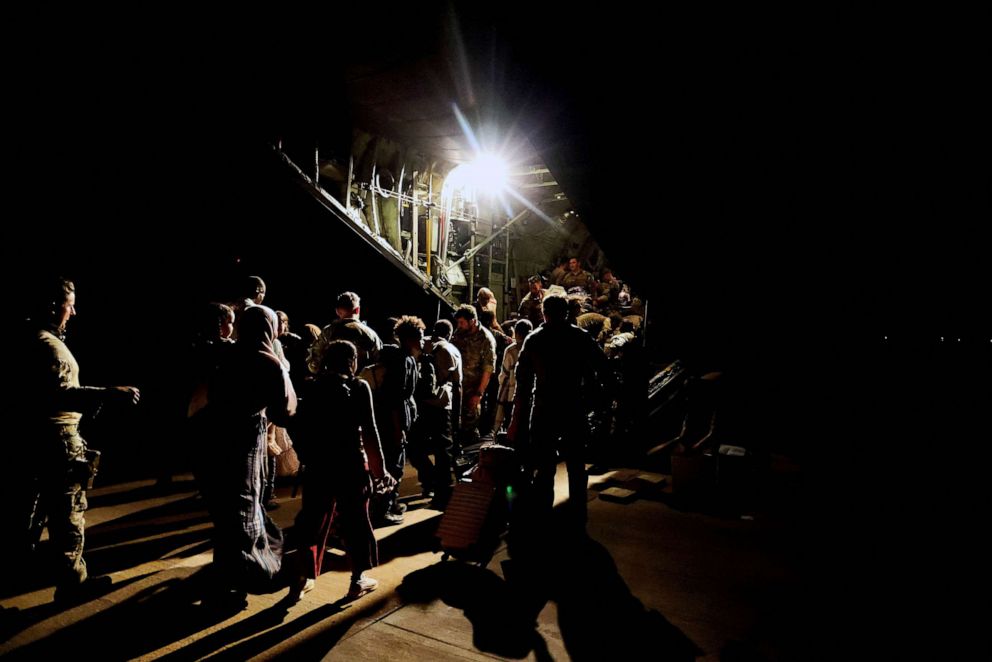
353, 330
60, 492
596, 325
580, 278
532, 308
478, 352
608, 296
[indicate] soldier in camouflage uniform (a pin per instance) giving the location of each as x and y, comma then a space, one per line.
478, 350
576, 276
348, 327
58, 454
532, 307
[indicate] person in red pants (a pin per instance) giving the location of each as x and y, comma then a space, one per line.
340, 445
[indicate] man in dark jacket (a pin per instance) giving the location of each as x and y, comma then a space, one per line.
558, 371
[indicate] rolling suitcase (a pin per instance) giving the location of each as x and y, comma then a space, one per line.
476, 514
472, 523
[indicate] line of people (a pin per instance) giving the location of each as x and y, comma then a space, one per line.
355, 408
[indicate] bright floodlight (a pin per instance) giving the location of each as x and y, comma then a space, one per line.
491, 173
487, 173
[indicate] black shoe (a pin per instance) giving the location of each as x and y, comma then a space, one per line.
91, 588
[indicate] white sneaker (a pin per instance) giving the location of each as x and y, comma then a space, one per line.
361, 586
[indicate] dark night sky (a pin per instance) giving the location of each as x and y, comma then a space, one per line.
757, 165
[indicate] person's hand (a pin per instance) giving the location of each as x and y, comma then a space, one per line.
128, 394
